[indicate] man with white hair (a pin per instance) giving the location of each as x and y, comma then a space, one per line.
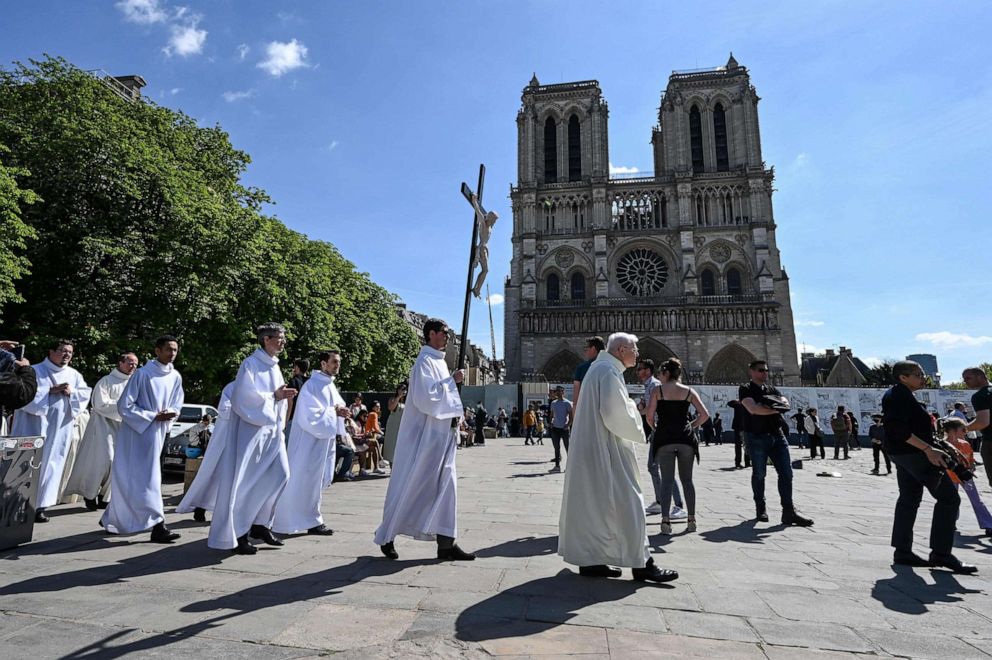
602, 511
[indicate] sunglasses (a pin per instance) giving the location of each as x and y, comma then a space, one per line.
762, 371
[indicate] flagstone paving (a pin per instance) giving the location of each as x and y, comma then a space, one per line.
746, 590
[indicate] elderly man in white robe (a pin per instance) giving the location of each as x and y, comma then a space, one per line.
319, 419
90, 477
421, 500
202, 494
150, 401
62, 396
602, 510
258, 470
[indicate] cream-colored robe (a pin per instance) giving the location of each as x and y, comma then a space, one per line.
602, 509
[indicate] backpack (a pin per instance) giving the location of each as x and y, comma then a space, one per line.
838, 424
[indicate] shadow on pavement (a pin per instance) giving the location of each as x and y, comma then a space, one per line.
527, 546
531, 475
743, 532
909, 593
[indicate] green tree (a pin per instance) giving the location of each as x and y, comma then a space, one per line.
881, 375
14, 233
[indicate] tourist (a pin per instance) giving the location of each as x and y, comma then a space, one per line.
301, 373
958, 410
202, 494
910, 443
561, 423
981, 403
345, 449
18, 382
538, 425
481, 417
90, 476
740, 441
357, 406
369, 436
800, 419
673, 442
151, 400
876, 435
421, 499
319, 420
706, 429
530, 425
602, 521
718, 428
853, 437
594, 346
840, 424
815, 432
955, 432
395, 407
515, 423
501, 421
61, 396
645, 372
764, 407
247, 494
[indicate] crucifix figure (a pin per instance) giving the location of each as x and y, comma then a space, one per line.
484, 224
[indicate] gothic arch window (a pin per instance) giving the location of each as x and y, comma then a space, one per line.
561, 367
550, 151
729, 365
642, 272
720, 138
707, 282
695, 138
578, 286
734, 282
574, 149
552, 288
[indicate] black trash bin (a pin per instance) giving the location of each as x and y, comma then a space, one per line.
20, 460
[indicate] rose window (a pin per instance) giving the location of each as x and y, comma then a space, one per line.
642, 272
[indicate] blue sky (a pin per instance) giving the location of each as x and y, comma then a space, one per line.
364, 118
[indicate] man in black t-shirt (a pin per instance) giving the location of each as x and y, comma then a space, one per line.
763, 426
981, 401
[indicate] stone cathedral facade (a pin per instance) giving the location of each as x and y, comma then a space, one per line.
685, 258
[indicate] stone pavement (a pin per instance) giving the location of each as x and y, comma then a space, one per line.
746, 590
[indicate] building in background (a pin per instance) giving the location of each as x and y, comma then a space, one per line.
830, 369
480, 369
929, 363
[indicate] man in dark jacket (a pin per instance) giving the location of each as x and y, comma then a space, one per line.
18, 384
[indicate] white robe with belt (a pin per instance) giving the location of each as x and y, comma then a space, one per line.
254, 474
202, 492
90, 475
421, 500
602, 509
52, 416
311, 448
136, 474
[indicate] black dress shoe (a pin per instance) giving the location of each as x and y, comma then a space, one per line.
200, 514
90, 504
454, 553
761, 514
792, 517
953, 563
651, 573
244, 547
600, 570
264, 534
162, 534
910, 559
40, 517
320, 530
389, 551
101, 503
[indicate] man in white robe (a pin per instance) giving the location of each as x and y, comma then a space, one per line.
90, 477
150, 401
318, 420
257, 470
202, 494
602, 510
421, 500
79, 426
62, 396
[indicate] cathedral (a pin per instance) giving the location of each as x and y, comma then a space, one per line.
684, 257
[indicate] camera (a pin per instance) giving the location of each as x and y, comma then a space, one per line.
954, 464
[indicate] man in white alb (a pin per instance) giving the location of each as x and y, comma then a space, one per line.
202, 494
150, 401
62, 396
421, 499
602, 510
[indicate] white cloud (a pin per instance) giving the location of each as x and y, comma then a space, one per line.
243, 51
809, 324
186, 40
801, 161
282, 57
333, 145
495, 299
872, 362
623, 170
233, 97
950, 340
175, 90
144, 12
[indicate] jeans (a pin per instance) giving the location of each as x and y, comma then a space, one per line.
559, 436
876, 450
654, 469
347, 455
764, 446
914, 473
803, 439
740, 449
668, 456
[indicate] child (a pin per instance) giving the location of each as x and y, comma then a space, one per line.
954, 433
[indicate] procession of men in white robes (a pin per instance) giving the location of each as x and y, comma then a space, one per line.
421, 499
90, 476
62, 396
202, 494
150, 401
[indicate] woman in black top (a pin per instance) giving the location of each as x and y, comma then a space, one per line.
674, 439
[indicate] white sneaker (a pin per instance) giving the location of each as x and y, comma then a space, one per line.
653, 509
383, 463
679, 513
379, 471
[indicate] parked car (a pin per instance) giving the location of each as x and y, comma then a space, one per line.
174, 450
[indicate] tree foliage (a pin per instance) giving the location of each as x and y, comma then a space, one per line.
141, 225
881, 375
14, 232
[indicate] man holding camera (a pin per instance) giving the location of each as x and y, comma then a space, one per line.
18, 384
910, 443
